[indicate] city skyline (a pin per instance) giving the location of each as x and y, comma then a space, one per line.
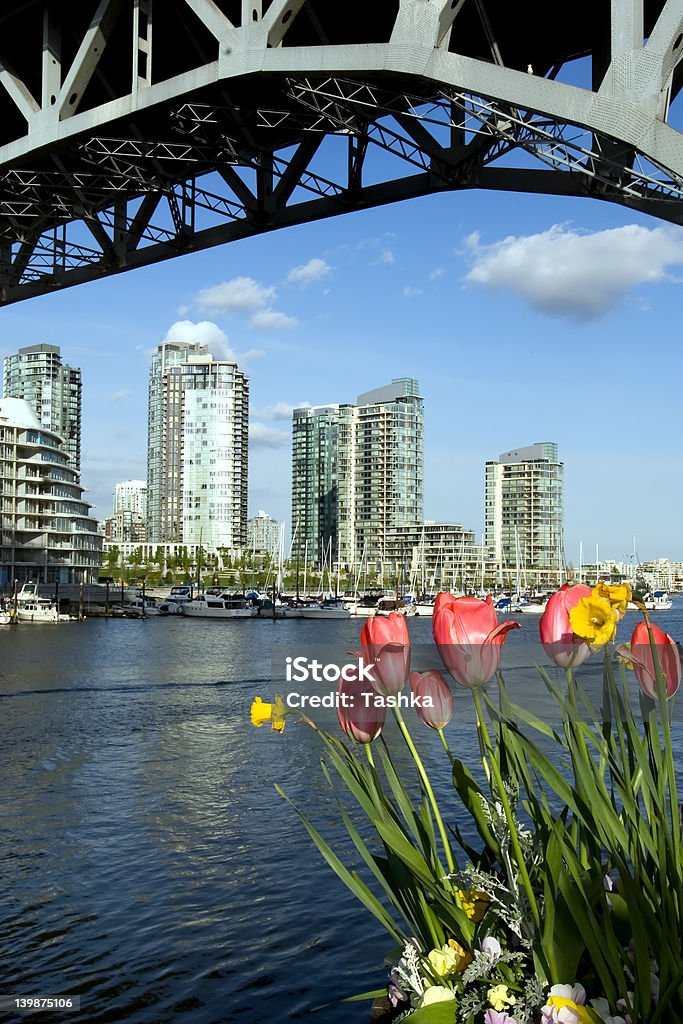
453, 293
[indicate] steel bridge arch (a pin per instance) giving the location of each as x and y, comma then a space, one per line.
120, 147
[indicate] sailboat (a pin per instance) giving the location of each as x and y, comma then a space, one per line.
332, 606
425, 604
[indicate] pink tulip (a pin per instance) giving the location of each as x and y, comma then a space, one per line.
436, 700
386, 644
469, 638
356, 711
555, 631
641, 657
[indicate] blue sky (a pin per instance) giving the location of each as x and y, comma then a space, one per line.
525, 319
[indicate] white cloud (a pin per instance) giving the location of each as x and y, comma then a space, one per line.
206, 332
387, 256
261, 436
271, 320
411, 292
279, 410
251, 353
309, 272
436, 272
579, 275
239, 294
183, 310
118, 396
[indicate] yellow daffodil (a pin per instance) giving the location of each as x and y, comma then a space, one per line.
275, 713
474, 903
618, 595
260, 712
450, 959
594, 619
499, 997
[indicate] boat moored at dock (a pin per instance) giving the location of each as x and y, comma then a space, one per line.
220, 606
29, 606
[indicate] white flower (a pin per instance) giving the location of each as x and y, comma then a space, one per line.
576, 993
601, 1006
552, 1014
490, 945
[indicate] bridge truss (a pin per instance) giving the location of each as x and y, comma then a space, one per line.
133, 131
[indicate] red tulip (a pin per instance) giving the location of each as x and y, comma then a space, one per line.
469, 638
356, 711
435, 706
641, 656
555, 631
386, 644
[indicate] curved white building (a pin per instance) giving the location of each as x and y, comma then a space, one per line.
46, 533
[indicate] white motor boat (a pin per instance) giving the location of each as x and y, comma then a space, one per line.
658, 601
142, 607
365, 611
173, 603
219, 606
30, 607
532, 607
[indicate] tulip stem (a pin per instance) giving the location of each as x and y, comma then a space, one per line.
452, 866
368, 751
483, 738
444, 741
512, 825
571, 689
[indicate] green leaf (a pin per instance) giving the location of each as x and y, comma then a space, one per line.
435, 1013
472, 798
562, 939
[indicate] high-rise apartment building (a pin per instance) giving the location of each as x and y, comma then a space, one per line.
357, 473
131, 496
46, 533
263, 534
52, 389
524, 515
197, 448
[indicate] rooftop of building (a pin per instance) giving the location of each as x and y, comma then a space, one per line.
16, 412
546, 450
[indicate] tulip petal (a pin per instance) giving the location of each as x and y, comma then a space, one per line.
497, 635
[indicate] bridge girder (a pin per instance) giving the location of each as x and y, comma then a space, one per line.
119, 147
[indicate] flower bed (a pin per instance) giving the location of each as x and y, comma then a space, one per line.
568, 907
